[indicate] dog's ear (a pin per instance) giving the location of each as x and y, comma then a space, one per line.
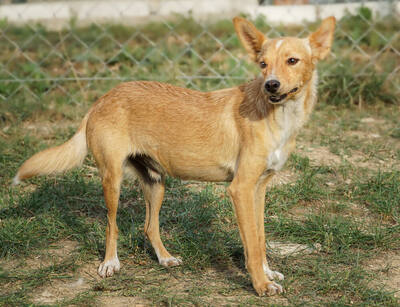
251, 38
321, 40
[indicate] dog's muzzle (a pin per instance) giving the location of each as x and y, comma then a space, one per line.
275, 98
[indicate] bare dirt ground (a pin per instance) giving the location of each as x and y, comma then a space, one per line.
385, 270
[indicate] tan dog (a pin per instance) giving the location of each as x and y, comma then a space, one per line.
242, 135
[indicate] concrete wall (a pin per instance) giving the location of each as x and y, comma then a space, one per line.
58, 14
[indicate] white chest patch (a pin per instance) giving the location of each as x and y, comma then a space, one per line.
289, 120
277, 159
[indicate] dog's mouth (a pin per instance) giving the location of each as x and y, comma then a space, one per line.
278, 98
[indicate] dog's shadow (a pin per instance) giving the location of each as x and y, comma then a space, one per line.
195, 224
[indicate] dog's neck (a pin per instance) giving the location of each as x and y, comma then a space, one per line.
255, 105
282, 122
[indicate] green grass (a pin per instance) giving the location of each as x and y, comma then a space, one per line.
381, 194
341, 197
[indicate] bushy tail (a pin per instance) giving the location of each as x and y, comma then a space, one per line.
56, 159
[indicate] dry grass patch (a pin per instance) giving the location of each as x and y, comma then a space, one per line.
385, 271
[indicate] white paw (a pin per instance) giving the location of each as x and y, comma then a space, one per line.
107, 268
16, 180
274, 288
273, 274
171, 261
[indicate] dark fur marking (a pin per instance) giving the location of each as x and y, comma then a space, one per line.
145, 165
229, 174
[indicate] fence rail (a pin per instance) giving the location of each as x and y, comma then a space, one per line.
76, 55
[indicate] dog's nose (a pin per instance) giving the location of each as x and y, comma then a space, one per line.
272, 86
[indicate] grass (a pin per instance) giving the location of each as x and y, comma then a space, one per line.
383, 194
338, 196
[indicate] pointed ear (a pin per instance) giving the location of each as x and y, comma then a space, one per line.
251, 38
321, 40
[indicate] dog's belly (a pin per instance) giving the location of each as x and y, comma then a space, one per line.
201, 161
152, 170
204, 173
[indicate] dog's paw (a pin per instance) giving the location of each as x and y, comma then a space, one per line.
108, 268
170, 261
269, 288
273, 274
16, 181
274, 288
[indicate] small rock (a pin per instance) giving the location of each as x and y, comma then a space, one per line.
368, 120
77, 283
46, 293
286, 249
374, 135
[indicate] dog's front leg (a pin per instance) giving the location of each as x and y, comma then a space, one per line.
259, 207
242, 192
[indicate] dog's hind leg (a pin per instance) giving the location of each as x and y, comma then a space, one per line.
154, 194
110, 163
259, 207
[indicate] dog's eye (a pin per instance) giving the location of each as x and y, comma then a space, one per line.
263, 64
292, 61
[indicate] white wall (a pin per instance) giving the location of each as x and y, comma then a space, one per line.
58, 14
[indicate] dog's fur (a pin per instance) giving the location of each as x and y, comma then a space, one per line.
242, 135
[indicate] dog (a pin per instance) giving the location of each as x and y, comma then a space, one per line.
241, 135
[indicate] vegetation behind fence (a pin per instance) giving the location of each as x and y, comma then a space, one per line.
77, 64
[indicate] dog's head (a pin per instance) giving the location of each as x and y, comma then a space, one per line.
286, 63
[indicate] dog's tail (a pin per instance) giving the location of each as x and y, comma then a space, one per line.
56, 159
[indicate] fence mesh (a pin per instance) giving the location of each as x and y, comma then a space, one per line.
80, 61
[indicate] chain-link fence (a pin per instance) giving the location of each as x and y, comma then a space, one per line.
51, 52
